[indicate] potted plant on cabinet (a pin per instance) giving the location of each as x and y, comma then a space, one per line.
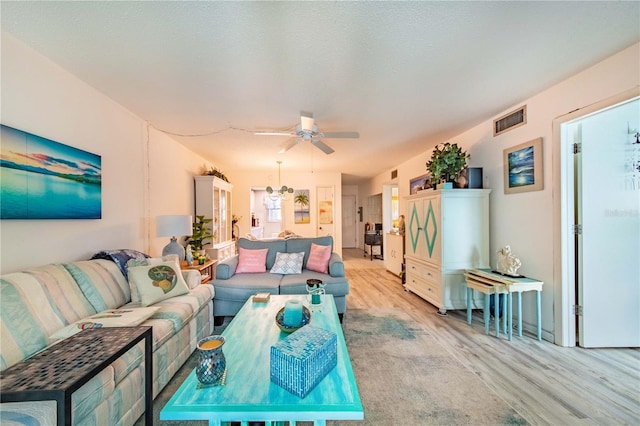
213, 171
447, 160
200, 234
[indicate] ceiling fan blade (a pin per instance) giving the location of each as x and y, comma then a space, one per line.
306, 121
336, 135
290, 143
274, 133
322, 146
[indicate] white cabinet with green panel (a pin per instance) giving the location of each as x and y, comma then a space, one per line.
447, 231
213, 201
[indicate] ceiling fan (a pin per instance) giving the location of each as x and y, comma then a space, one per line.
307, 130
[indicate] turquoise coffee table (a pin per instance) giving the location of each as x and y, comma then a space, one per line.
249, 394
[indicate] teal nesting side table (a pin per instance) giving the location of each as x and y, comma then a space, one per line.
489, 282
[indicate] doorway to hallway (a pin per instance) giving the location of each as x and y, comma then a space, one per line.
600, 225
349, 222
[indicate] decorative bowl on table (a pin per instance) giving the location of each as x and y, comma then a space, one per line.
306, 318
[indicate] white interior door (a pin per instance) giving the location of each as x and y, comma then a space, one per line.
609, 245
325, 210
349, 221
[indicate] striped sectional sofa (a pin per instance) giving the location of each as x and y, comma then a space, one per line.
38, 302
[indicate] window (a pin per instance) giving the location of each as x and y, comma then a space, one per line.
274, 212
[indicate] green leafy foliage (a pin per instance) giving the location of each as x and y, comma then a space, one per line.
201, 233
213, 171
447, 160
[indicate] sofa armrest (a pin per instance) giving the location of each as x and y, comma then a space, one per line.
336, 266
192, 277
226, 268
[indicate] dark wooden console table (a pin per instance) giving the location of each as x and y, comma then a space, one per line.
58, 371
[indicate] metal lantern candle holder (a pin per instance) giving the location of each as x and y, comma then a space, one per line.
315, 288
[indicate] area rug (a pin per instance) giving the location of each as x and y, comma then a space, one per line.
405, 377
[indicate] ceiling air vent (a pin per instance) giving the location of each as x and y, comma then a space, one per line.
394, 174
510, 121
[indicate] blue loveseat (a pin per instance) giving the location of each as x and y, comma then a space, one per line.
233, 290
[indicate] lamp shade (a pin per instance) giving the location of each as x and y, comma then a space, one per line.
174, 225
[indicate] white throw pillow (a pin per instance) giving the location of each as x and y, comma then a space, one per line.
157, 282
122, 317
135, 294
288, 263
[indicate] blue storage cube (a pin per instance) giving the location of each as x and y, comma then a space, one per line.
300, 361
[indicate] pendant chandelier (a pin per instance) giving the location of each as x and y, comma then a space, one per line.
280, 193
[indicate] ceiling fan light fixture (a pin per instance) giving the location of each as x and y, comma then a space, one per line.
307, 131
282, 192
306, 122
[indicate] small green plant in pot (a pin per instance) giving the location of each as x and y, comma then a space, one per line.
213, 171
447, 160
200, 234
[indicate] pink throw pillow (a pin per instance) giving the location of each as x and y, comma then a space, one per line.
319, 258
251, 261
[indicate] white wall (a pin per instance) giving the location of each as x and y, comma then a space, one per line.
525, 220
171, 186
39, 97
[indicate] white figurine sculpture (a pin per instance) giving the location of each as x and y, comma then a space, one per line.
508, 264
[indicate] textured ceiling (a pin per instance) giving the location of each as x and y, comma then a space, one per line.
406, 75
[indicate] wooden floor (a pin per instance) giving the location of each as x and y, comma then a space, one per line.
545, 383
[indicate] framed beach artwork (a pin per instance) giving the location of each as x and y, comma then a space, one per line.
301, 210
523, 167
44, 179
419, 183
325, 212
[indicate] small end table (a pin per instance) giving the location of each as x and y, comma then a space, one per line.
207, 269
60, 370
509, 285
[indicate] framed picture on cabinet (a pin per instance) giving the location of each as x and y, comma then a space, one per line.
523, 167
419, 183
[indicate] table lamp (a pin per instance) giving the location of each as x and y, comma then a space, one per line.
170, 226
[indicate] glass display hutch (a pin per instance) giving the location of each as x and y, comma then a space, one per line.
213, 201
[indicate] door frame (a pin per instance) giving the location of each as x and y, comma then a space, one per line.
347, 204
563, 195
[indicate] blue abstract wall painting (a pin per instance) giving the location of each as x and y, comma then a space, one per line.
523, 167
420, 183
44, 179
